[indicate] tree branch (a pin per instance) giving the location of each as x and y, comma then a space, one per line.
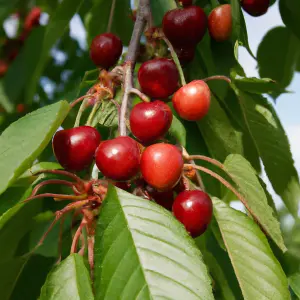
139, 26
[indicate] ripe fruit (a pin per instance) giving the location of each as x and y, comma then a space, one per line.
185, 3
150, 121
119, 158
165, 199
255, 8
105, 50
158, 77
186, 26
3, 67
32, 19
161, 166
220, 23
186, 54
194, 210
192, 101
75, 148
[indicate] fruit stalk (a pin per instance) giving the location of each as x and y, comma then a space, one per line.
139, 26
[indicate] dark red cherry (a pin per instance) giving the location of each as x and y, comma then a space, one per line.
192, 101
165, 199
158, 78
185, 54
106, 50
32, 19
220, 23
185, 26
194, 210
150, 121
185, 3
161, 166
3, 67
75, 148
119, 158
255, 8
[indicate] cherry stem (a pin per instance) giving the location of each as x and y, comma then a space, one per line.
175, 58
60, 236
51, 181
223, 181
57, 197
141, 95
77, 236
72, 104
208, 159
217, 77
93, 113
111, 15
139, 26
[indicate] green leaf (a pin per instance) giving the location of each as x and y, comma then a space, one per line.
290, 14
259, 273
6, 8
178, 131
26, 138
273, 147
244, 176
107, 115
97, 20
280, 64
69, 280
142, 252
294, 282
159, 8
58, 23
4, 100
219, 135
239, 26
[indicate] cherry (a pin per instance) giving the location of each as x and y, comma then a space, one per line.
185, 26
194, 210
119, 158
165, 199
150, 121
32, 19
20, 108
255, 8
186, 54
158, 77
220, 23
106, 50
192, 101
75, 148
185, 3
3, 67
161, 166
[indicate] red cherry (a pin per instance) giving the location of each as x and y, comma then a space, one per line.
3, 67
165, 199
255, 8
75, 148
119, 158
32, 19
220, 23
20, 108
192, 101
158, 78
185, 26
161, 166
150, 121
194, 210
105, 50
186, 3
186, 54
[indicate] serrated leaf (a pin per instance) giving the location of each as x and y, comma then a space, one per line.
178, 131
294, 282
259, 273
142, 252
69, 280
244, 176
26, 138
107, 115
220, 136
159, 8
273, 147
280, 64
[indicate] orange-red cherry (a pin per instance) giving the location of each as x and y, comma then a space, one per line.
158, 78
150, 121
75, 148
161, 166
255, 8
106, 50
194, 210
220, 23
118, 159
185, 26
192, 101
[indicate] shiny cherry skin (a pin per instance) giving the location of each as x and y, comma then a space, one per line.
165, 199
185, 26
150, 121
32, 19
158, 78
255, 8
161, 166
106, 50
220, 23
194, 210
186, 54
75, 148
186, 3
118, 159
192, 101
